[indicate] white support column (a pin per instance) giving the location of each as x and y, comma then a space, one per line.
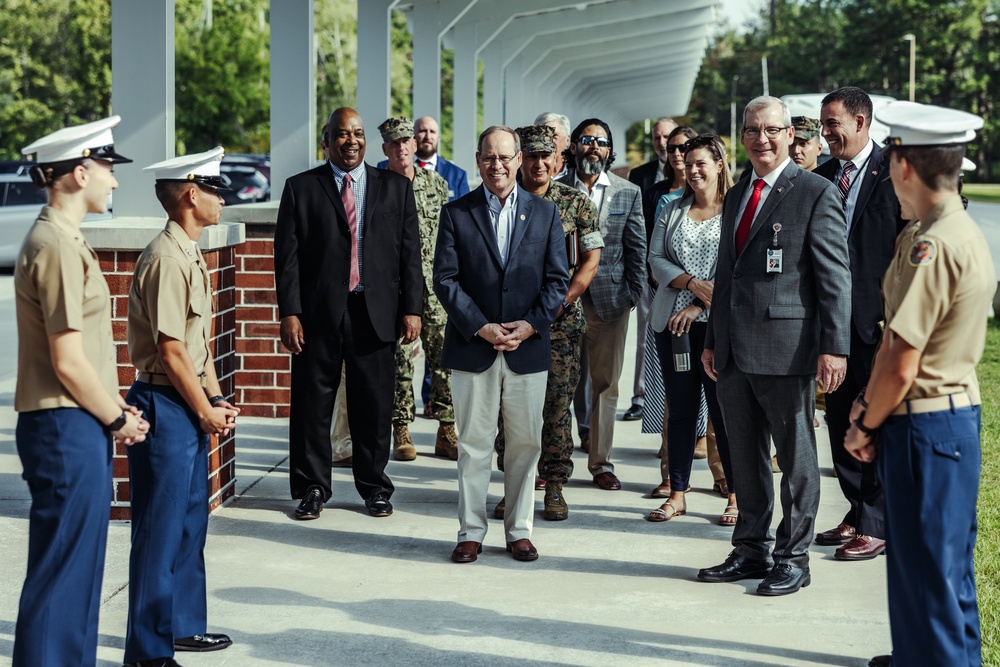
426, 62
374, 85
142, 93
492, 86
464, 126
293, 90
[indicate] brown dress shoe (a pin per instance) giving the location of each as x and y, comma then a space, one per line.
662, 491
347, 462
466, 552
446, 444
842, 534
402, 444
522, 550
556, 508
862, 547
585, 444
607, 481
500, 511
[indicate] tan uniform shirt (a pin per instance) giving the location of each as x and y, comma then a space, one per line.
170, 295
937, 294
58, 286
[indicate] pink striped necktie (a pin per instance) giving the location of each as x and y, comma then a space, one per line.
844, 185
351, 208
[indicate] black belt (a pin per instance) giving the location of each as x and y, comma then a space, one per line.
161, 379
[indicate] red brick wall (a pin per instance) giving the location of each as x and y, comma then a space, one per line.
264, 375
118, 267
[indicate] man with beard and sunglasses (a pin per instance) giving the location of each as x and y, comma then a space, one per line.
615, 290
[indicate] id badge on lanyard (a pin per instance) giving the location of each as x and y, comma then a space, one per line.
774, 256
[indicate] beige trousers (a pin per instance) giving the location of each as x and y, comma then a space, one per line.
478, 400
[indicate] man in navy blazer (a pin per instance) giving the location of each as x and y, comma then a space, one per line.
873, 218
428, 137
500, 273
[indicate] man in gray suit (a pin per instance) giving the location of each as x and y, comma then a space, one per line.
617, 287
780, 321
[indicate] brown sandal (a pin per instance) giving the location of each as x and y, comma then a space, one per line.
660, 514
729, 517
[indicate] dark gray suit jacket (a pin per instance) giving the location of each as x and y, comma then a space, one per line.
779, 323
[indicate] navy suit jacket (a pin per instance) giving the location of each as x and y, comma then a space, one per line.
476, 289
458, 181
871, 241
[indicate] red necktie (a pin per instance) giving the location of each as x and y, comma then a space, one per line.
423, 163
844, 185
351, 208
746, 220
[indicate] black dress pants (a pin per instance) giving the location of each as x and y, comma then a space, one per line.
370, 370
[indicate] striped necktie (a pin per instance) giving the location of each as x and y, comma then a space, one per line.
844, 185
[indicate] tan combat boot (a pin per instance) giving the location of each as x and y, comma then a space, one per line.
402, 445
447, 441
556, 508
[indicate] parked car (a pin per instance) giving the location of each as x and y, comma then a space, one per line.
20, 202
247, 185
260, 161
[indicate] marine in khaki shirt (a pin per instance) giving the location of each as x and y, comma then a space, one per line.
934, 294
170, 296
919, 418
170, 320
58, 285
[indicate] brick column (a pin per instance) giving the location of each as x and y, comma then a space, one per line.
264, 374
118, 243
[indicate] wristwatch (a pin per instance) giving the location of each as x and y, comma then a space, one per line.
860, 423
565, 306
119, 423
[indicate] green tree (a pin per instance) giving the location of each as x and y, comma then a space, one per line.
55, 67
222, 75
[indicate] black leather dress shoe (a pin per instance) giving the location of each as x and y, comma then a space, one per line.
311, 505
880, 661
379, 505
155, 662
784, 579
203, 643
633, 414
735, 568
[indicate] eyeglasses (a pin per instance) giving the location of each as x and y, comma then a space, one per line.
675, 148
587, 140
769, 132
496, 159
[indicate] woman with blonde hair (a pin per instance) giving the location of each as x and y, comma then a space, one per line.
683, 255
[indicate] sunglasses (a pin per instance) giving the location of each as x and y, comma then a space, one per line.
675, 148
587, 140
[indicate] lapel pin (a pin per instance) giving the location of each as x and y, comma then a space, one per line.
779, 189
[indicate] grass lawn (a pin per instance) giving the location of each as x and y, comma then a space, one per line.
984, 192
988, 544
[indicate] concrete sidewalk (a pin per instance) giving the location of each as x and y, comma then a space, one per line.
348, 589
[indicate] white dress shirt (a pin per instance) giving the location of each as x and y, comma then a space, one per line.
860, 164
597, 194
769, 182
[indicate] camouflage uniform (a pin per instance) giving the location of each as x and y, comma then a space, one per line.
431, 192
556, 464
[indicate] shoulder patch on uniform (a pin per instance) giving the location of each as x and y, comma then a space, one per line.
922, 252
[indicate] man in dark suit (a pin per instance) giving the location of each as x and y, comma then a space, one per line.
347, 272
779, 322
500, 271
873, 219
428, 138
